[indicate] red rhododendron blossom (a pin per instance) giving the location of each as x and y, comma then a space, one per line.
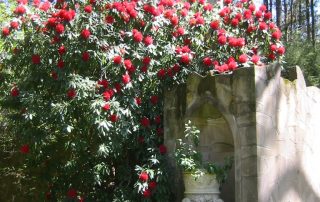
207, 61
184, 12
232, 65
25, 149
59, 28
176, 68
81, 199
14, 24
281, 50
161, 73
258, 14
276, 35
267, 15
146, 60
137, 36
215, 25
251, 29
127, 64
252, 7
162, 149
106, 107
36, 59
143, 176
255, 59
44, 6
117, 87
148, 40
109, 19
52, 22
234, 22
60, 64
145, 122
104, 83
48, 195
241, 42
185, 59
126, 79
243, 58
272, 56
36, 3
263, 26
154, 99
185, 49
157, 119
222, 40
138, 101
72, 193
273, 47
174, 20
67, 15
232, 41
159, 131
113, 118
147, 193
152, 185
86, 56
263, 8
247, 14
106, 95
54, 75
85, 34
117, 59
88, 9
5, 31
20, 10
200, 20
15, 92
180, 31
272, 25
62, 50
208, 7
72, 93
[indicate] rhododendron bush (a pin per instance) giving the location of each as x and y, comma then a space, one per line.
84, 80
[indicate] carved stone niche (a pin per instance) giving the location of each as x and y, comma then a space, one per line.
216, 139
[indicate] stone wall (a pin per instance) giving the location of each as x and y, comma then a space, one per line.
267, 122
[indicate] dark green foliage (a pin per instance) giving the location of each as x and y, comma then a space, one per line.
301, 52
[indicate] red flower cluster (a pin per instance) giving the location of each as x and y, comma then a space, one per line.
25, 149
144, 176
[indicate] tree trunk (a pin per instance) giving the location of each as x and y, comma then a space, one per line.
291, 18
308, 20
265, 2
270, 6
285, 6
300, 13
313, 23
278, 12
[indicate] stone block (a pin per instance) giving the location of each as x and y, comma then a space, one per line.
248, 135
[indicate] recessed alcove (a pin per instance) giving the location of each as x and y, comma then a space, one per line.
216, 139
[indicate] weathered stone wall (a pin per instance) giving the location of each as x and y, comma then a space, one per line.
267, 122
288, 131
